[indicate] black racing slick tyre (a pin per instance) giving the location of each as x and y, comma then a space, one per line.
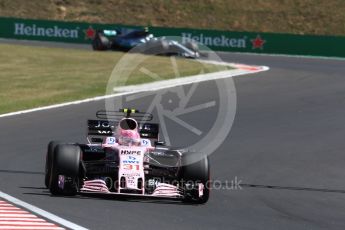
49, 160
100, 42
194, 175
64, 178
193, 46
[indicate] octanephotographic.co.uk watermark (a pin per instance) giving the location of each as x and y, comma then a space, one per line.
232, 184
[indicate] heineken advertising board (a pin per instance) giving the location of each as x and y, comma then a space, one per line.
46, 30
272, 43
80, 32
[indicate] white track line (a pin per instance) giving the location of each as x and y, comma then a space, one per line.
35, 210
241, 70
61, 105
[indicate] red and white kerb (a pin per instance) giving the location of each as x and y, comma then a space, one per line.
12, 217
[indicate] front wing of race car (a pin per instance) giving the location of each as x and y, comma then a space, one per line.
162, 190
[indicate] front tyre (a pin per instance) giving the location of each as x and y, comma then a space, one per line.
196, 177
49, 160
100, 42
193, 46
64, 178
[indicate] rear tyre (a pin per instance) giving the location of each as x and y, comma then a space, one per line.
49, 160
64, 178
196, 176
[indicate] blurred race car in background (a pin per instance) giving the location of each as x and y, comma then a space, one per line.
144, 42
111, 163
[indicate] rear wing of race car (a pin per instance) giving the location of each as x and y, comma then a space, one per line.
110, 32
99, 129
124, 113
122, 31
108, 121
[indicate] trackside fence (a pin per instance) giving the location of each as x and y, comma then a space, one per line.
228, 41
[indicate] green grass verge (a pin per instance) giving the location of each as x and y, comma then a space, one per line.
37, 76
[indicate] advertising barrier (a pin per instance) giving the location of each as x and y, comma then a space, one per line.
272, 43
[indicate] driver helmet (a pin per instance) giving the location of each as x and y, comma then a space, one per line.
127, 133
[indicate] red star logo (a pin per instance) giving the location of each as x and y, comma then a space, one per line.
258, 42
89, 33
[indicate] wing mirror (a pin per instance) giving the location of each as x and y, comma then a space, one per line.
159, 143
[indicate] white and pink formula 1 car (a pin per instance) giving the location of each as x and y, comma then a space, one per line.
126, 158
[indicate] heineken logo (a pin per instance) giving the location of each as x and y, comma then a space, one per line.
224, 41
54, 31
